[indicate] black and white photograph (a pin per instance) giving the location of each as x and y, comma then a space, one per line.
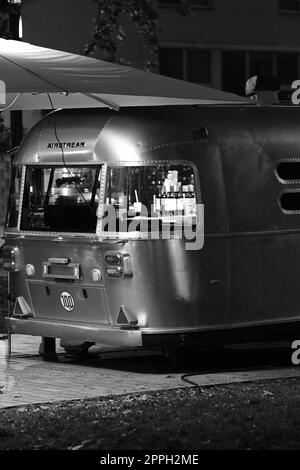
150, 229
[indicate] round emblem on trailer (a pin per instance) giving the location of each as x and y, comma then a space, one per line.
67, 301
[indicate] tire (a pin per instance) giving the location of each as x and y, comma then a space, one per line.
76, 349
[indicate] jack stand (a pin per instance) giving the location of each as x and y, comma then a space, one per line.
9, 344
48, 349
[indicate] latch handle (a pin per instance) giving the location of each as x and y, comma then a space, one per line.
58, 260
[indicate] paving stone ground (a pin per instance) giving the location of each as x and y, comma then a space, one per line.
26, 379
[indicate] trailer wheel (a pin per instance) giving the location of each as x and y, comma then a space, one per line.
174, 357
47, 349
79, 349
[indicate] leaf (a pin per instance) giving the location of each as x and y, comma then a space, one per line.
266, 393
109, 33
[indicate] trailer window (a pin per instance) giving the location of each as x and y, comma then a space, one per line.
289, 171
14, 198
290, 202
60, 199
165, 193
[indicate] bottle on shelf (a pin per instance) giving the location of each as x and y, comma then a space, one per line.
190, 203
180, 202
164, 202
172, 203
192, 183
158, 201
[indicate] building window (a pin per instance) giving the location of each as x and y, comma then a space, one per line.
287, 67
192, 65
289, 6
198, 66
203, 4
261, 63
171, 62
238, 66
234, 71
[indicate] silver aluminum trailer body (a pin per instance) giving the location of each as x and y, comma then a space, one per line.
71, 282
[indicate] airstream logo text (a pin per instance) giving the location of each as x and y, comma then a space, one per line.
66, 145
67, 301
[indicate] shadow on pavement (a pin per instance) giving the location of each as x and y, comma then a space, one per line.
229, 358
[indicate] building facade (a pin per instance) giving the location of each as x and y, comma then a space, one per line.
225, 43
221, 44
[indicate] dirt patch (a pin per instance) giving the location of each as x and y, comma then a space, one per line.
262, 415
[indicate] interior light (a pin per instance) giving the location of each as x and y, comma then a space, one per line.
29, 269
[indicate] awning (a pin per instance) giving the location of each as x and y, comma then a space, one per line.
32, 74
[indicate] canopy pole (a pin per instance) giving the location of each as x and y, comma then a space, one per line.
110, 104
16, 117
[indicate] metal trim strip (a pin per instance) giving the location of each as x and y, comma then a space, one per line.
105, 335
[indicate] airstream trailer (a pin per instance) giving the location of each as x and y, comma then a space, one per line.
73, 278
